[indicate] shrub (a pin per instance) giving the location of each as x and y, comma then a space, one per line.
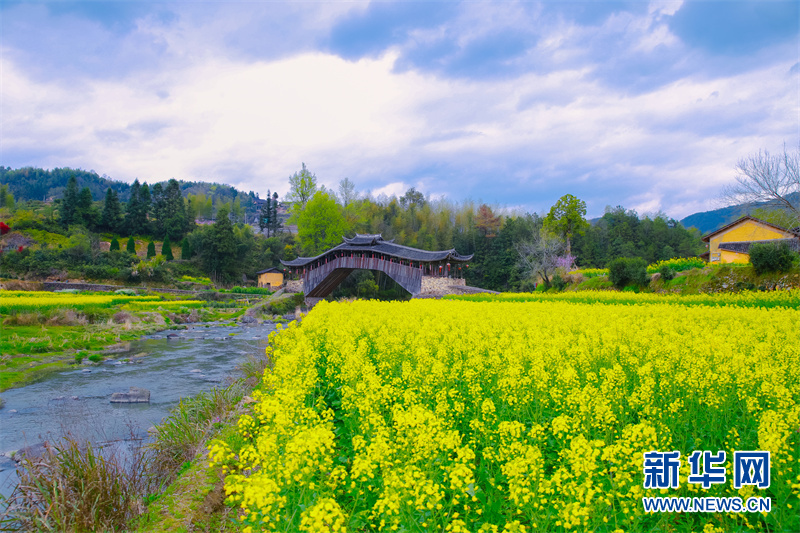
131, 246
626, 271
151, 250
558, 283
667, 273
769, 257
114, 246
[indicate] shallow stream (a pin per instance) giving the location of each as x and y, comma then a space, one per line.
170, 364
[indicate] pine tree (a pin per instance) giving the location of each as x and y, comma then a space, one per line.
114, 246
174, 211
265, 215
166, 249
131, 246
151, 250
186, 249
274, 220
85, 213
110, 220
132, 210
69, 205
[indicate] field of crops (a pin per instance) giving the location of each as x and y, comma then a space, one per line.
32, 301
513, 416
764, 299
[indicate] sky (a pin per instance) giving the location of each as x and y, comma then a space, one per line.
647, 105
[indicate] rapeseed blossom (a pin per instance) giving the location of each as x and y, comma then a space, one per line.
514, 416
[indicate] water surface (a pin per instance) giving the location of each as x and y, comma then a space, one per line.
170, 364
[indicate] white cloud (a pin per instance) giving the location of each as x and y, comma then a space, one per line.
205, 113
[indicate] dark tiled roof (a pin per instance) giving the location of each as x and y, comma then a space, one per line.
376, 244
267, 271
743, 247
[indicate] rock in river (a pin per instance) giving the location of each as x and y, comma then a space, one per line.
134, 395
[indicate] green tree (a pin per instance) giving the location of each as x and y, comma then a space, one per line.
114, 245
265, 216
69, 205
566, 218
219, 248
274, 221
145, 201
174, 211
166, 249
151, 250
320, 225
186, 249
6, 198
131, 246
110, 219
302, 187
138, 209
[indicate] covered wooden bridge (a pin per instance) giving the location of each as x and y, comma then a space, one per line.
407, 266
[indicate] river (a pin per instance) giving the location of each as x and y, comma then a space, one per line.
171, 364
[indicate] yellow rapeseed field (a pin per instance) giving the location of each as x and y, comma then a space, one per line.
513, 416
24, 301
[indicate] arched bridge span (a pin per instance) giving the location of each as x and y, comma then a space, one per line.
405, 265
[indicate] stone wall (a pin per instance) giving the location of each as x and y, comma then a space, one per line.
293, 285
436, 286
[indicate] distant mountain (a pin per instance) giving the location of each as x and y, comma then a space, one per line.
708, 221
39, 184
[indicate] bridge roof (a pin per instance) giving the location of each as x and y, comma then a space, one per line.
376, 243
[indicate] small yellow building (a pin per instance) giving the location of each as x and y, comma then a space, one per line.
730, 243
271, 278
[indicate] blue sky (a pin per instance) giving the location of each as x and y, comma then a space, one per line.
647, 105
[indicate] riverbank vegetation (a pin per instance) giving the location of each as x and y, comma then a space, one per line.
47, 331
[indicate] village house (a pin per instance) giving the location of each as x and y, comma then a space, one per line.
271, 278
731, 243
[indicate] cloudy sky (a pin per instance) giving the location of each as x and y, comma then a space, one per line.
645, 105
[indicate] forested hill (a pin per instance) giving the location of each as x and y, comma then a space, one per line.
39, 184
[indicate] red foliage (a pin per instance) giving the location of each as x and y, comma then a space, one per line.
20, 249
4, 228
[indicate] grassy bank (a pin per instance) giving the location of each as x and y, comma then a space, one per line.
43, 331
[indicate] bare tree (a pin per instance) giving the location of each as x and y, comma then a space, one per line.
539, 256
347, 192
773, 181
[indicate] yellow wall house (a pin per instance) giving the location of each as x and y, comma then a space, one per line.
730, 243
271, 278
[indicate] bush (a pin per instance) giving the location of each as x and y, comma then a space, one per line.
626, 271
114, 246
666, 272
768, 257
558, 283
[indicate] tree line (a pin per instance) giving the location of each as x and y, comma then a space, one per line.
229, 249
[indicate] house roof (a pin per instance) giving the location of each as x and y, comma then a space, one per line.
743, 247
707, 236
376, 243
267, 271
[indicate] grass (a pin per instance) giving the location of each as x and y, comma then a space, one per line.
30, 352
74, 487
